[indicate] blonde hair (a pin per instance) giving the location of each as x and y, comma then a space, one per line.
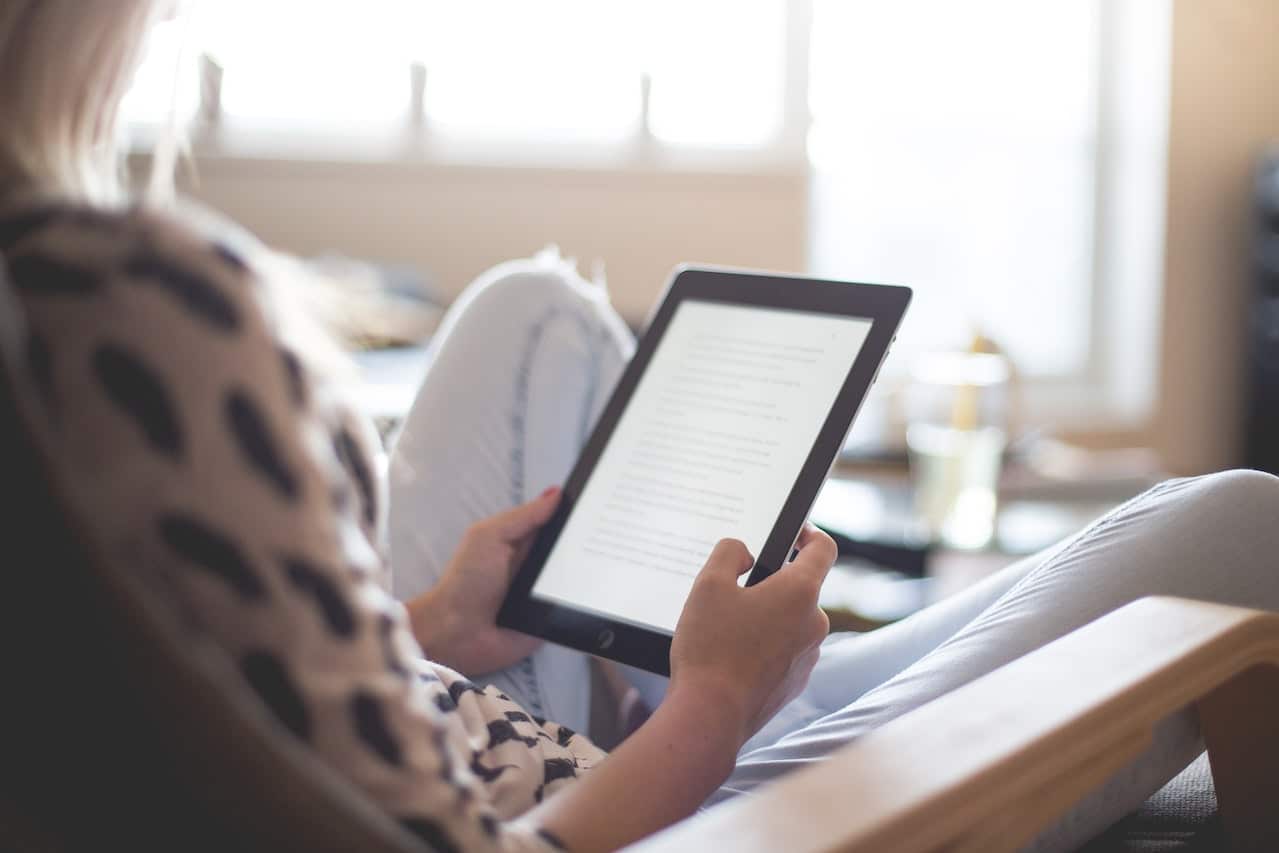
65, 66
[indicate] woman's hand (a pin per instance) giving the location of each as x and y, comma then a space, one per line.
751, 649
739, 655
456, 621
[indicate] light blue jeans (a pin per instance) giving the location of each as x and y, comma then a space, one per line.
523, 365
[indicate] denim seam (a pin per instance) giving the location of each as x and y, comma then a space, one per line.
1090, 533
523, 378
597, 346
519, 423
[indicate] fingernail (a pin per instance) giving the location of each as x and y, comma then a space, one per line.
548, 491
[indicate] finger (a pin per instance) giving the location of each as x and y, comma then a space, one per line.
518, 522
817, 553
807, 662
729, 558
806, 534
821, 627
519, 553
522, 644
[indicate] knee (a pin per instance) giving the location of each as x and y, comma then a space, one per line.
1247, 497
534, 285
1242, 488
543, 297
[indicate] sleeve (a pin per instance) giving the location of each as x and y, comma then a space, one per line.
188, 444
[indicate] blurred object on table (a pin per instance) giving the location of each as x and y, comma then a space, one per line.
889, 567
1057, 470
387, 384
382, 315
875, 522
860, 597
370, 306
957, 409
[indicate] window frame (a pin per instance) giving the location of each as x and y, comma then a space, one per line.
1117, 387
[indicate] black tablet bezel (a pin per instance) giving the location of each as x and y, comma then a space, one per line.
649, 648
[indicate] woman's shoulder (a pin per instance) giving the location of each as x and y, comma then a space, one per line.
194, 300
50, 243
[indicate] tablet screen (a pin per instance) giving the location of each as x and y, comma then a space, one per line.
709, 446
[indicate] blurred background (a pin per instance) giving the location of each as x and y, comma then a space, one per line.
1077, 188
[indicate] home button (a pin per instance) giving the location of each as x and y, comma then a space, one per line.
605, 639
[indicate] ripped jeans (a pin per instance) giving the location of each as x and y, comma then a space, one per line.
522, 367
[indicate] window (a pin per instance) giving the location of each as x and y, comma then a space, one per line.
954, 149
1003, 158
710, 72
155, 94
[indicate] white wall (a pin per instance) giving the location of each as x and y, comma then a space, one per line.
456, 221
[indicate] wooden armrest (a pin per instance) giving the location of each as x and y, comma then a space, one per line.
990, 764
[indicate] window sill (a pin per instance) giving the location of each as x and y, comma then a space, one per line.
395, 149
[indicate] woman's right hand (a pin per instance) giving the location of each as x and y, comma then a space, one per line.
739, 654
751, 649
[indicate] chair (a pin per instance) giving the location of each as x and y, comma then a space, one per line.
120, 727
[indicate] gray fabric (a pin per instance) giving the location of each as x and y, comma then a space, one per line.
1181, 817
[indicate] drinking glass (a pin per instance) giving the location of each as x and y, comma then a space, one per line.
957, 412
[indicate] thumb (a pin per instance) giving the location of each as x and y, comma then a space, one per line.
518, 522
817, 553
729, 558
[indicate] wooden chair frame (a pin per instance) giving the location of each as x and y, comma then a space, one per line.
987, 766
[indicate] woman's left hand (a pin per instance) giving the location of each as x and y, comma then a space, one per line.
456, 621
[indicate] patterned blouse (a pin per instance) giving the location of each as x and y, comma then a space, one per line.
199, 452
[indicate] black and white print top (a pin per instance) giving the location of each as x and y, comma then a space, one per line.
198, 451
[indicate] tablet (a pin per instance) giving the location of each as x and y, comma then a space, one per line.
725, 424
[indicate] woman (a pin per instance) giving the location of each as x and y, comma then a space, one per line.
200, 451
